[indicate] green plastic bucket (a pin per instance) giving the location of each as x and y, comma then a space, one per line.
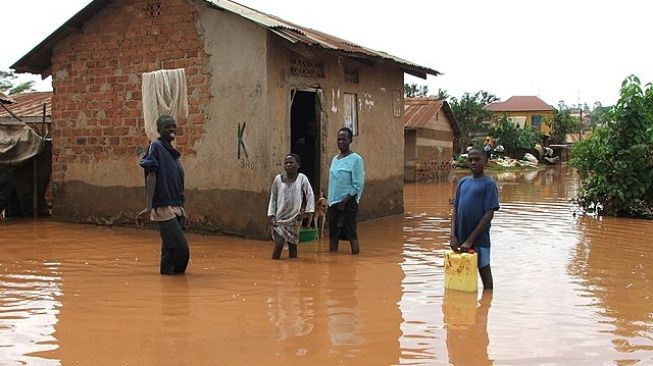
307, 234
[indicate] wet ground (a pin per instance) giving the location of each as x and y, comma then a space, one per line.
569, 290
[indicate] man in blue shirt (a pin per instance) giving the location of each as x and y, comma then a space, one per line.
164, 189
477, 198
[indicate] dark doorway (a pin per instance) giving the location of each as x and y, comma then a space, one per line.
305, 136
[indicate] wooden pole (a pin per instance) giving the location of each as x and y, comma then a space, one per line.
43, 132
35, 170
10, 112
580, 126
35, 196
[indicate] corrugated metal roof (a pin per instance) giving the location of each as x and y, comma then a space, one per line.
311, 37
5, 99
520, 104
419, 111
30, 104
38, 60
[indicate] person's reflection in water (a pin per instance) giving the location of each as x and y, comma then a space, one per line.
289, 310
169, 338
344, 324
466, 325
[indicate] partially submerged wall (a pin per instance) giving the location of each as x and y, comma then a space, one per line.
228, 180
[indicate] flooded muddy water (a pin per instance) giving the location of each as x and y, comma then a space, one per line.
569, 290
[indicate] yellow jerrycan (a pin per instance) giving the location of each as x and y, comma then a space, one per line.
460, 271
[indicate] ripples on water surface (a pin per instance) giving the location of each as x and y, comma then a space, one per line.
569, 291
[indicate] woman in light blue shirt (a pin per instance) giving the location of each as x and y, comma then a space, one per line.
346, 181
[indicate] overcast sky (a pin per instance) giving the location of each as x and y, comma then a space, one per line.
559, 50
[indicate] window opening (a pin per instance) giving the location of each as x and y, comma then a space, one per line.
153, 8
351, 112
351, 75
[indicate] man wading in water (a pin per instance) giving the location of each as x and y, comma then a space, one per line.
164, 189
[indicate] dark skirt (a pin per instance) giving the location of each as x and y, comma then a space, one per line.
342, 223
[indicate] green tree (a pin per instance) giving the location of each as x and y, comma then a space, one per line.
513, 137
442, 94
616, 163
562, 123
8, 85
414, 90
471, 114
600, 114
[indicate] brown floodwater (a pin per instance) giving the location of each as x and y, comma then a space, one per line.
569, 290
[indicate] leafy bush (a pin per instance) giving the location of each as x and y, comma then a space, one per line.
616, 163
562, 124
471, 114
513, 137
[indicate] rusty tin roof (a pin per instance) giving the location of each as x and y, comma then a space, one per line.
38, 60
30, 104
297, 34
5, 99
420, 110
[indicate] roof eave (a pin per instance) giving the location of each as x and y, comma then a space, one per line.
421, 75
452, 119
362, 56
520, 110
39, 59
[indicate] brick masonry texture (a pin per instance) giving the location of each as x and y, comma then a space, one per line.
97, 107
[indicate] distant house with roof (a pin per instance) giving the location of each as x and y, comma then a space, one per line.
258, 87
524, 111
33, 108
430, 137
24, 150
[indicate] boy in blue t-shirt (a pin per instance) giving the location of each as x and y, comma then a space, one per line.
476, 200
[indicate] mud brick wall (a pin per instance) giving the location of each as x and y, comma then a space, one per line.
97, 107
437, 170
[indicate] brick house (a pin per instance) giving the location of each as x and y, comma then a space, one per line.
256, 85
430, 136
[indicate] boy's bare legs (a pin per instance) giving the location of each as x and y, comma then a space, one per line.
333, 245
355, 247
292, 250
486, 277
278, 247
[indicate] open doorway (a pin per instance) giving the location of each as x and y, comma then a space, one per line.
304, 134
